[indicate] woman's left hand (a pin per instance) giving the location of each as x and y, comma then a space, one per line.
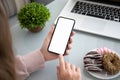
50, 56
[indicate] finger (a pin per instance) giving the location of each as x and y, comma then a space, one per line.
69, 46
77, 69
58, 69
58, 72
67, 52
72, 67
49, 35
67, 65
61, 62
71, 40
73, 33
51, 32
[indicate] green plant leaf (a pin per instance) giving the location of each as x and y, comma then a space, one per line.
33, 15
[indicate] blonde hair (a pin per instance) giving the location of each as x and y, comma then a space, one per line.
7, 66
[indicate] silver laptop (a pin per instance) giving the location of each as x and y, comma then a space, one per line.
101, 17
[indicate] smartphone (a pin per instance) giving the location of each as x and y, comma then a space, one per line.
61, 35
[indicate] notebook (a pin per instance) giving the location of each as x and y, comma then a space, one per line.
100, 17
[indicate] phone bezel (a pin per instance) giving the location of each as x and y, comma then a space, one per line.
54, 31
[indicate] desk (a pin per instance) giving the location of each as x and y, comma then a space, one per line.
25, 42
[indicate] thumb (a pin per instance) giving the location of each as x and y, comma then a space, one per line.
51, 32
58, 72
58, 69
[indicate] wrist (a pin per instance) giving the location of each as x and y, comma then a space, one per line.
42, 53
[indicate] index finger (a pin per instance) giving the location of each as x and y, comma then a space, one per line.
61, 62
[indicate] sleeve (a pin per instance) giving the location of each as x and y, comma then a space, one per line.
29, 63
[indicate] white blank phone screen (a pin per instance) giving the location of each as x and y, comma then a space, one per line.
61, 35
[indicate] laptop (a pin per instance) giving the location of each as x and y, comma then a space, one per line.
101, 17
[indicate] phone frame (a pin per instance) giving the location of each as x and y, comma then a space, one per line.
54, 31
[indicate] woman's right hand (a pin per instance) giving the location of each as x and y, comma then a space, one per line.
67, 71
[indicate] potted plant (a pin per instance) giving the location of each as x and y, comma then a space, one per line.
33, 16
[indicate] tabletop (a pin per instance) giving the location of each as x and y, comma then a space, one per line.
25, 42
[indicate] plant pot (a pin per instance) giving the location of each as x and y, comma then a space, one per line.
35, 30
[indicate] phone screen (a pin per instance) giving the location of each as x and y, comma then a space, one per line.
61, 35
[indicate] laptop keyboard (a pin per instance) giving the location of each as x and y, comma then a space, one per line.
98, 11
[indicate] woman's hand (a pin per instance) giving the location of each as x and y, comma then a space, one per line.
67, 71
50, 56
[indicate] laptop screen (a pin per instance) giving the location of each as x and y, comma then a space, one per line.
112, 2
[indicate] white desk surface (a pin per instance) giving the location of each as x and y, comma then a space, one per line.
25, 42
